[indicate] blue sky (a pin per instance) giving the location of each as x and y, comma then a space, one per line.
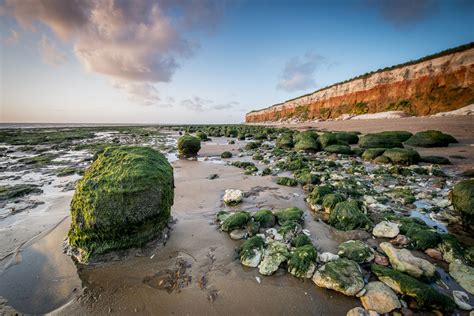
204, 61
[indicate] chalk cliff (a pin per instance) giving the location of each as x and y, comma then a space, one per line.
436, 83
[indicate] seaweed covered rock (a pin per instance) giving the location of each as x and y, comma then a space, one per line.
301, 240
347, 137
355, 250
285, 141
235, 221
289, 216
8, 192
202, 136
265, 218
384, 139
330, 201
372, 153
425, 295
348, 216
404, 261
450, 248
338, 149
463, 274
226, 155
421, 235
302, 262
379, 298
289, 182
275, 254
316, 196
307, 141
462, 198
437, 160
342, 275
251, 251
327, 139
402, 156
431, 139
306, 177
188, 146
123, 200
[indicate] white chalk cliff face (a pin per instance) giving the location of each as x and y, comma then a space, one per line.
439, 84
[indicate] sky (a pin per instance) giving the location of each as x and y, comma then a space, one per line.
189, 61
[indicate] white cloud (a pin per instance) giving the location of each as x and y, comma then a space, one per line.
13, 37
50, 54
198, 104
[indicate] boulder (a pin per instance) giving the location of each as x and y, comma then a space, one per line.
124, 200
379, 298
238, 234
347, 137
289, 182
338, 149
372, 153
462, 198
307, 141
285, 141
317, 194
289, 216
402, 156
326, 257
421, 235
302, 261
235, 221
226, 155
251, 251
348, 216
301, 240
265, 218
359, 311
431, 139
384, 139
232, 197
327, 139
463, 274
330, 201
437, 160
188, 146
425, 295
275, 254
386, 229
356, 250
404, 261
342, 275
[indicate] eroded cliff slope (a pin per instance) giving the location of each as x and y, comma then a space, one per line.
436, 83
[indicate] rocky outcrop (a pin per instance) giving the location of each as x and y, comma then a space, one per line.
437, 83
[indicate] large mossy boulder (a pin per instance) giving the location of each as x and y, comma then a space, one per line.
307, 141
123, 200
402, 156
462, 198
285, 141
342, 275
317, 194
302, 262
431, 139
235, 221
188, 146
347, 137
384, 139
327, 139
347, 215
265, 218
338, 149
372, 153
356, 250
290, 216
251, 251
425, 295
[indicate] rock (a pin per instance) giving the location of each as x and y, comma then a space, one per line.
124, 200
380, 259
251, 251
338, 149
289, 215
302, 262
462, 300
347, 137
342, 275
434, 253
356, 250
402, 156
403, 261
330, 201
232, 197
326, 257
437, 160
275, 254
307, 141
348, 216
265, 218
226, 155
431, 139
238, 234
235, 221
400, 240
384, 139
462, 197
372, 153
327, 139
289, 182
463, 274
359, 311
421, 235
285, 141
425, 295
380, 298
386, 229
188, 146
317, 194
301, 240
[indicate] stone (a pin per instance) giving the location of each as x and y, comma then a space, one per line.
326, 257
356, 250
235, 221
302, 262
462, 198
124, 200
232, 196
342, 275
275, 254
380, 298
359, 311
402, 156
462, 300
348, 216
400, 240
463, 274
434, 253
404, 261
251, 251
188, 146
431, 139
238, 234
381, 259
265, 218
386, 229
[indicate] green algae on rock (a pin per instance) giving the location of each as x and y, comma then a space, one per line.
330, 201
372, 153
307, 141
236, 220
431, 139
289, 216
425, 295
316, 196
265, 218
402, 156
347, 137
302, 262
437, 160
384, 139
188, 146
123, 200
8, 192
348, 216
289, 182
338, 149
275, 254
285, 141
327, 139
301, 240
462, 198
355, 250
342, 275
226, 155
421, 235
251, 251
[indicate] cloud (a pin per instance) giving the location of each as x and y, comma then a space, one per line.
13, 38
137, 41
50, 54
139, 92
298, 73
404, 12
198, 104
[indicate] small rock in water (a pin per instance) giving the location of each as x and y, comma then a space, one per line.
461, 299
386, 229
232, 196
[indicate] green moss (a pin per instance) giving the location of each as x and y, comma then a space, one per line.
382, 160
451, 248
226, 155
462, 198
123, 200
306, 177
285, 141
67, 171
253, 227
246, 250
372, 153
236, 220
202, 136
289, 215
327, 139
267, 171
338, 149
316, 196
355, 250
257, 156
384, 139
307, 141
421, 235
425, 295
360, 108
8, 192
437, 160
41, 160
289, 182
265, 218
348, 216
252, 145
347, 137
188, 146
330, 201
402, 156
301, 240
301, 260
404, 195
431, 139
